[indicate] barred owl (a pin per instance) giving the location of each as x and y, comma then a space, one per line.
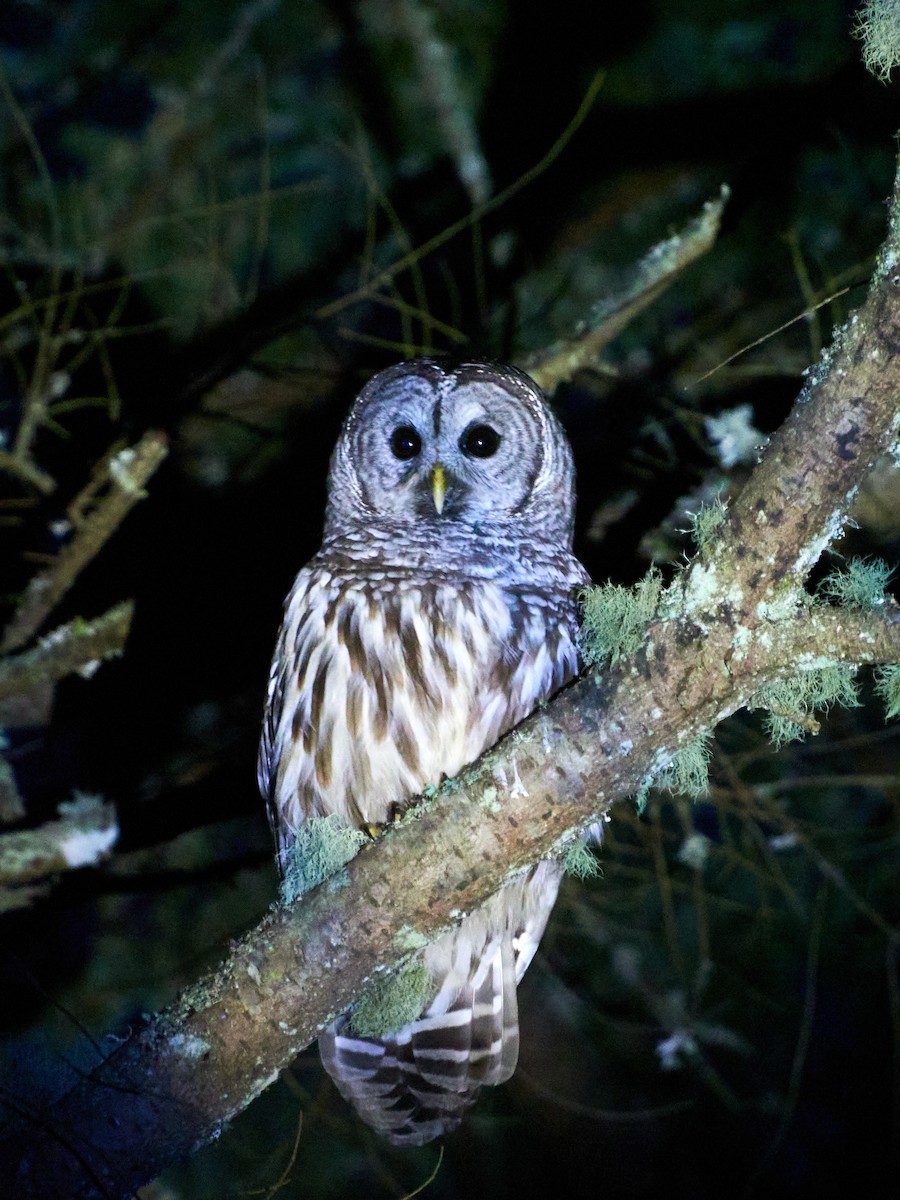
439, 611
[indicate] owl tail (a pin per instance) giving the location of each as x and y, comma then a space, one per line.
417, 1084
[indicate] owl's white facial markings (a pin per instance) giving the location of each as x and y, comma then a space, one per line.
429, 447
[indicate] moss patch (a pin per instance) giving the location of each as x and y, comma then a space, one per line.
792, 702
887, 686
323, 845
393, 1002
578, 860
860, 584
615, 619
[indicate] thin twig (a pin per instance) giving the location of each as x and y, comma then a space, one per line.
128, 472
408, 260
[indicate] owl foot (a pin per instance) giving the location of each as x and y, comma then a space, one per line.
374, 829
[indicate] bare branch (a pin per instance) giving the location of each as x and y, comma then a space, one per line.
128, 472
647, 280
441, 81
27, 470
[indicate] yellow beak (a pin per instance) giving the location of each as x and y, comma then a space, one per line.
438, 487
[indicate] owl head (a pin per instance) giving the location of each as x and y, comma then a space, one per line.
435, 447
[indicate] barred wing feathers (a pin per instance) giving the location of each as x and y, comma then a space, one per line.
418, 1083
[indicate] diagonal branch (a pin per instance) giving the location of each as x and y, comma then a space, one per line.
127, 473
646, 281
78, 645
732, 623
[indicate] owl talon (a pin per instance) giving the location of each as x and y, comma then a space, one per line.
374, 829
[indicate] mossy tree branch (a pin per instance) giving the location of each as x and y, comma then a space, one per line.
733, 622
76, 646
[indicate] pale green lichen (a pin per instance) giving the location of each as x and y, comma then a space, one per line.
694, 851
701, 590
734, 437
792, 702
490, 800
415, 809
322, 846
887, 686
615, 618
389, 1004
407, 938
578, 860
741, 641
188, 1045
706, 523
860, 584
877, 24
780, 604
685, 774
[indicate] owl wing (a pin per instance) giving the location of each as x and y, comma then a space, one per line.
266, 757
286, 676
418, 1083
337, 734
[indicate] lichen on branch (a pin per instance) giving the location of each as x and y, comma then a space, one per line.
78, 646
647, 280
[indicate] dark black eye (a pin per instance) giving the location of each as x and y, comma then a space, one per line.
480, 441
405, 442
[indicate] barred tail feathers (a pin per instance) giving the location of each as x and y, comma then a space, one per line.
417, 1084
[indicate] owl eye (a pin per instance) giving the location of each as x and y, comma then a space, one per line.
480, 441
405, 442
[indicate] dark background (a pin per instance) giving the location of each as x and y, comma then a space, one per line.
209, 176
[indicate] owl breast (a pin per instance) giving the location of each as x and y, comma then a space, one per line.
383, 686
